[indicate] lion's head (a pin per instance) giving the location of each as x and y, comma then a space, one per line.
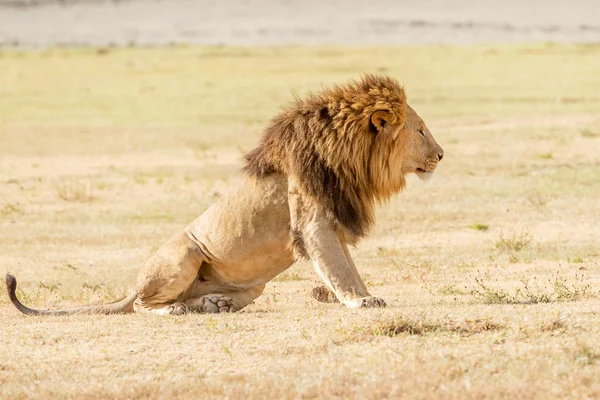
409, 145
348, 147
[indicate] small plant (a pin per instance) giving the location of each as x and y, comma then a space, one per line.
10, 209
589, 133
140, 179
491, 295
71, 189
200, 149
586, 355
410, 259
546, 156
555, 291
402, 326
513, 243
538, 200
49, 288
479, 227
451, 290
227, 351
387, 252
553, 326
534, 296
566, 292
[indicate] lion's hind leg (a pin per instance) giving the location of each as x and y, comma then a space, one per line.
168, 276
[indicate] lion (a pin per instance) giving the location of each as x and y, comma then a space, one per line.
309, 191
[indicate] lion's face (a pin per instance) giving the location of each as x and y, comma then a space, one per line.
421, 152
402, 148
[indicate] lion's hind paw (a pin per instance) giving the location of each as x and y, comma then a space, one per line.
323, 295
216, 303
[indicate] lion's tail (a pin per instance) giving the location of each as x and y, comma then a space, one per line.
122, 306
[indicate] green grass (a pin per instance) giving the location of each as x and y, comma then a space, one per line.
479, 227
204, 87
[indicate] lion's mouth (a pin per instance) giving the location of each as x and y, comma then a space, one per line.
424, 174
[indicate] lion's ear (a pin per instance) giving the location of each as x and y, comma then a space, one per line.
379, 119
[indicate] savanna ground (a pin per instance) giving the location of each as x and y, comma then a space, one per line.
491, 270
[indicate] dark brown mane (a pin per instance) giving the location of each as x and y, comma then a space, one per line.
326, 141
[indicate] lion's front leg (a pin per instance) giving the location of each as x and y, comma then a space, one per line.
329, 255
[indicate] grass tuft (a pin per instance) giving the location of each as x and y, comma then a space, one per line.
513, 243
555, 290
587, 133
10, 209
74, 190
403, 326
538, 200
586, 355
479, 227
553, 326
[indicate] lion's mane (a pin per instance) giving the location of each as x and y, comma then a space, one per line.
328, 143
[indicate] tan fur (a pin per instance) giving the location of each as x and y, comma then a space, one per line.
312, 185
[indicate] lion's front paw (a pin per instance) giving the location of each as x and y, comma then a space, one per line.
216, 303
176, 309
371, 302
367, 302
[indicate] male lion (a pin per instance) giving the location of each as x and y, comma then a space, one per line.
310, 191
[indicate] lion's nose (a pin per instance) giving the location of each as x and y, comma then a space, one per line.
440, 155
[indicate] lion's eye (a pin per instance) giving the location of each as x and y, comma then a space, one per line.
421, 132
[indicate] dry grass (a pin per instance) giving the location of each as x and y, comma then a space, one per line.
69, 189
531, 291
420, 327
154, 136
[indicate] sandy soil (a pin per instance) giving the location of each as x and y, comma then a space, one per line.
48, 22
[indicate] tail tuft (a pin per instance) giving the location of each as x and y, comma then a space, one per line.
11, 285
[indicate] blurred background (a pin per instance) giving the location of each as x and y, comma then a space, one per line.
268, 22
